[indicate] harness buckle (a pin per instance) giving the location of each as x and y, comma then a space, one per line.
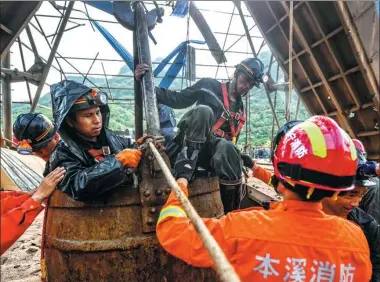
106, 150
220, 132
224, 116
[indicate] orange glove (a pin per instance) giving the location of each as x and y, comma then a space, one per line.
129, 157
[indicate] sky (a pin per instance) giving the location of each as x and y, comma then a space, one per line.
85, 42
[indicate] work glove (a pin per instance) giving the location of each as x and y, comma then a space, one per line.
129, 157
247, 161
185, 165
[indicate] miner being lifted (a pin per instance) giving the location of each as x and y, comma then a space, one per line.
96, 159
214, 124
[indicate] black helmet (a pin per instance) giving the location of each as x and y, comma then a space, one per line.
90, 100
253, 68
32, 131
362, 179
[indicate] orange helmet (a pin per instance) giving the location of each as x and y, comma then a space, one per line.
359, 145
316, 153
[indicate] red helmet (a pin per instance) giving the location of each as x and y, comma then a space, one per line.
359, 145
316, 153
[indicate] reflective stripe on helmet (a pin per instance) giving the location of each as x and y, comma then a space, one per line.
317, 140
247, 68
80, 101
46, 132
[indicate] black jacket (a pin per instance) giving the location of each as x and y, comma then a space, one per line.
371, 231
196, 93
371, 200
85, 178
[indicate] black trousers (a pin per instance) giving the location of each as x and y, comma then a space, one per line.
217, 155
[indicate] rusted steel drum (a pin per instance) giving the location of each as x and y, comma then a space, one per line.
114, 239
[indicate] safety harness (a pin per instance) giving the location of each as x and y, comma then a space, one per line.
240, 117
99, 154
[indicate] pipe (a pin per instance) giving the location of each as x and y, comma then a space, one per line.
17, 76
298, 108
24, 69
149, 96
7, 99
351, 30
222, 266
138, 95
237, 4
206, 32
32, 43
291, 21
51, 56
275, 104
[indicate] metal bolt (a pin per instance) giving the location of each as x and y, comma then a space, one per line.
150, 221
158, 192
153, 210
147, 193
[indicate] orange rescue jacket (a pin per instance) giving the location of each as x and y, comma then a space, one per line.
294, 240
18, 211
262, 174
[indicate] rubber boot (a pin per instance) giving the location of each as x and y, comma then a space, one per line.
230, 193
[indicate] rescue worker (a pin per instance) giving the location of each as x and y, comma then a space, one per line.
368, 167
35, 134
294, 239
19, 209
96, 159
214, 124
371, 199
344, 205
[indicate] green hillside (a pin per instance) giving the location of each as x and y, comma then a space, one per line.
122, 115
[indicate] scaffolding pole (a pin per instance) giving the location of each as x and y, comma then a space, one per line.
51, 56
7, 99
237, 4
289, 105
32, 43
24, 69
275, 105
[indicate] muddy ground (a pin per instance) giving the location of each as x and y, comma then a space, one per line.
21, 262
